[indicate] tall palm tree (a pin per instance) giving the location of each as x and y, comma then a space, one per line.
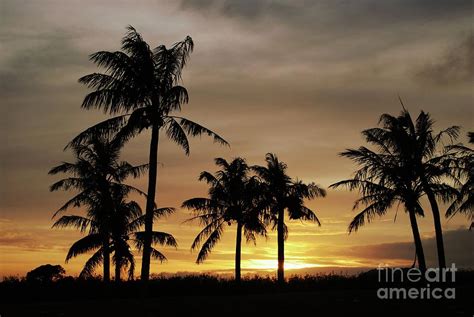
143, 84
383, 182
234, 197
282, 193
419, 148
98, 175
463, 166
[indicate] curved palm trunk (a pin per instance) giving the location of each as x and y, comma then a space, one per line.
150, 202
418, 245
281, 247
437, 223
238, 251
106, 256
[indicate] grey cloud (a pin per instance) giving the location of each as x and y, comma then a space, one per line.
345, 43
29, 67
459, 246
455, 66
304, 13
247, 9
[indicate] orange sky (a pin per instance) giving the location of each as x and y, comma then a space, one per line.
298, 80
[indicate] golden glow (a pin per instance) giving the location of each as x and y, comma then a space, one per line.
259, 264
306, 104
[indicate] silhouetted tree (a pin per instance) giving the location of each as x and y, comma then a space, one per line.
94, 240
420, 150
382, 183
463, 168
126, 223
406, 166
234, 197
98, 175
142, 83
45, 273
282, 193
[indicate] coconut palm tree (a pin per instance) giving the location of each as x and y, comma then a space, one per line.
282, 193
463, 166
421, 151
383, 183
125, 221
98, 175
110, 221
234, 197
94, 240
143, 85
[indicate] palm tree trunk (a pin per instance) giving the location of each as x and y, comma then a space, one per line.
281, 246
238, 250
106, 255
418, 245
150, 202
117, 268
437, 223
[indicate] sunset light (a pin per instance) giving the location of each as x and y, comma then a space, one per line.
273, 264
236, 157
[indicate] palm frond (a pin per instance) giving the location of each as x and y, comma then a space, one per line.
155, 254
80, 199
84, 245
175, 132
91, 264
214, 233
78, 222
194, 129
107, 128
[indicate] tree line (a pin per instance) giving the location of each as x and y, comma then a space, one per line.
140, 88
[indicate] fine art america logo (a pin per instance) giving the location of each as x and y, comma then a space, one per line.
430, 284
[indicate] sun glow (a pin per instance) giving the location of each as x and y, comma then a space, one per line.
261, 264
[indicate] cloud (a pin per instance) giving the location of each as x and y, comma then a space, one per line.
245, 9
455, 66
356, 14
18, 237
458, 245
39, 64
300, 37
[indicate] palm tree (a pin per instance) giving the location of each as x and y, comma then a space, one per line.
125, 222
98, 175
94, 240
419, 149
142, 84
234, 197
463, 166
282, 193
383, 182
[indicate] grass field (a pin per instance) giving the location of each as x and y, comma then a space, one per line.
211, 296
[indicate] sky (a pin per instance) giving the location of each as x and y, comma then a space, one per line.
298, 78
